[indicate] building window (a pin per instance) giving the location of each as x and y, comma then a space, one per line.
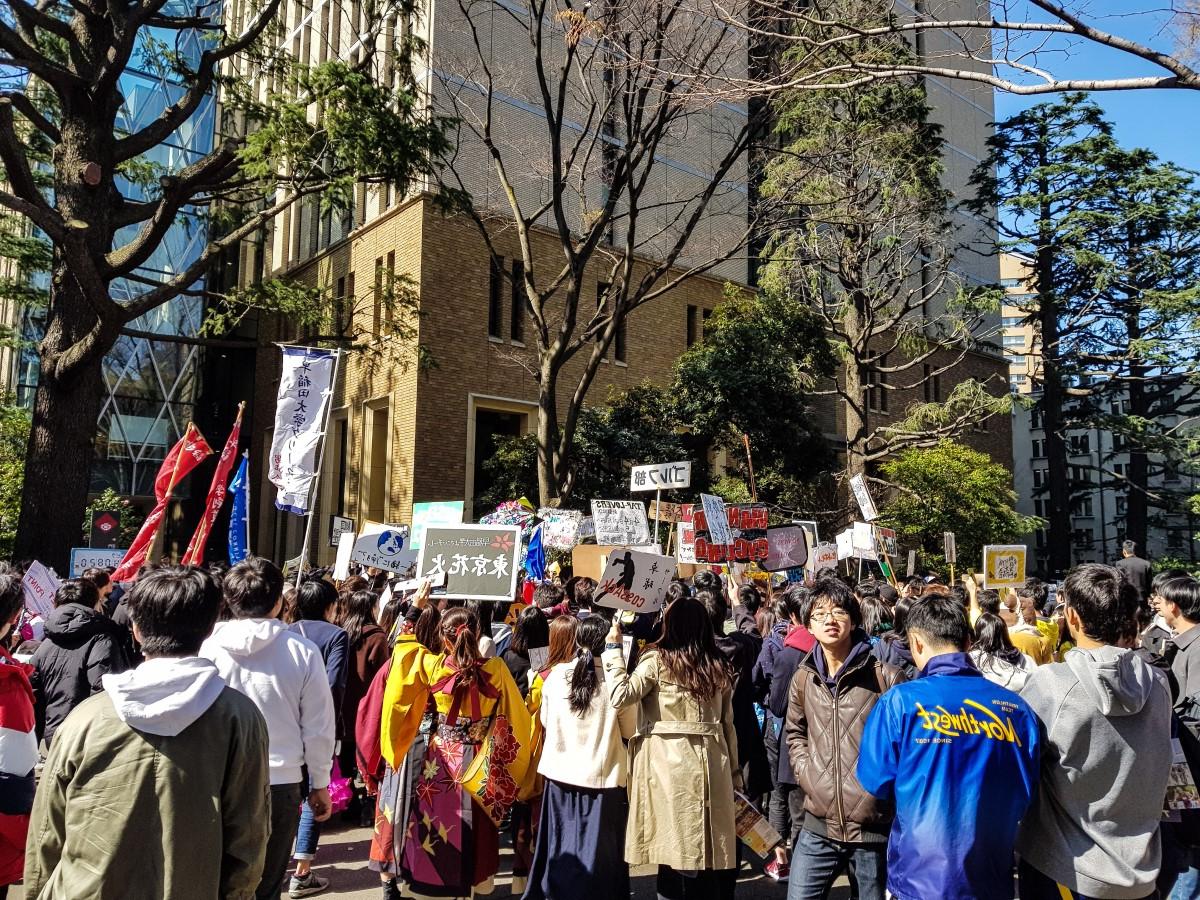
343, 305
693, 324
1012, 321
1119, 469
1018, 361
1039, 478
1122, 506
1082, 507
1080, 443
1120, 442
1013, 340
619, 340
1170, 475
1039, 508
1010, 282
1084, 538
1040, 539
1035, 418
932, 384
516, 325
495, 288
377, 306
1080, 475
1174, 539
1039, 447
877, 394
1016, 382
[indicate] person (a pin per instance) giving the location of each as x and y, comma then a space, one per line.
745, 610
959, 756
785, 811
18, 740
79, 648
1137, 570
315, 608
283, 675
1024, 631
995, 656
368, 650
829, 700
104, 584
452, 846
582, 592
683, 690
893, 647
532, 632
1155, 636
1178, 602
158, 785
1107, 718
913, 588
580, 846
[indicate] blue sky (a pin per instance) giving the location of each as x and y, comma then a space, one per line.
1166, 121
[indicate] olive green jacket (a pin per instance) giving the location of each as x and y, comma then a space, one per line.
124, 815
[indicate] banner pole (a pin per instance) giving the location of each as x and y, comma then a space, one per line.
657, 504
312, 488
249, 505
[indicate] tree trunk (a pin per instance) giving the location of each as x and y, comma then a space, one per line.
548, 462
855, 405
60, 454
1138, 472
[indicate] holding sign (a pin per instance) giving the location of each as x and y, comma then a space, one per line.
635, 581
1004, 566
621, 522
384, 547
477, 561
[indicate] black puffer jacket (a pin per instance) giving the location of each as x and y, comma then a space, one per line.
80, 646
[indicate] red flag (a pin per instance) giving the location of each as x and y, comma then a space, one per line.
216, 495
184, 456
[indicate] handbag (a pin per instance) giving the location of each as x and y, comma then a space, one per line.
340, 789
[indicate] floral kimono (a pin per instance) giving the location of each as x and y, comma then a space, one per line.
476, 759
527, 813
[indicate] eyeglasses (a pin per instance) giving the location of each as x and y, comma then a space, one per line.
825, 615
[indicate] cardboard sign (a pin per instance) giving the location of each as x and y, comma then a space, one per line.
949, 549
437, 512
339, 525
858, 484
384, 547
660, 477
560, 527
621, 522
912, 564
341, 563
665, 512
824, 556
1004, 565
787, 548
478, 561
747, 527
634, 581
84, 558
40, 586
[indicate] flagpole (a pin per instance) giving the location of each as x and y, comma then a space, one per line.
249, 505
313, 496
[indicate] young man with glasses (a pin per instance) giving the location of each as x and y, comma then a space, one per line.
832, 692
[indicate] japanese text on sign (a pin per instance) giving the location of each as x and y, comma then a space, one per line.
634, 581
477, 561
661, 476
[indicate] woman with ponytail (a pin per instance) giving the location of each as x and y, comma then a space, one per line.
585, 806
475, 761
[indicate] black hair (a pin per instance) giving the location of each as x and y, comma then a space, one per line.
98, 577
707, 579
1037, 590
992, 640
174, 609
1163, 577
1102, 598
313, 600
531, 630
960, 595
837, 594
12, 597
78, 590
888, 594
583, 682
677, 590
358, 614
865, 589
796, 602
252, 588
582, 592
715, 607
546, 595
941, 620
428, 629
749, 597
876, 617
1185, 593
483, 616
988, 601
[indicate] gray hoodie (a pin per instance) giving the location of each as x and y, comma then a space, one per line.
1094, 825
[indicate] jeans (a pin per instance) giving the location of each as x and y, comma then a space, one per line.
1179, 878
1033, 885
817, 860
308, 834
285, 798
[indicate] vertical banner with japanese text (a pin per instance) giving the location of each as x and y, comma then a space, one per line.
305, 386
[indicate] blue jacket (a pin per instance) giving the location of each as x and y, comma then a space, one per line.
959, 756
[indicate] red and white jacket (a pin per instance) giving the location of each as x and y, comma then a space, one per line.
18, 756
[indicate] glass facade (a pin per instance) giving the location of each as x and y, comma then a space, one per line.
152, 386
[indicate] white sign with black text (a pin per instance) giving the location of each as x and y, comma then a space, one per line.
660, 477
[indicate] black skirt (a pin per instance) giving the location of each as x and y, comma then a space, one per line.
580, 845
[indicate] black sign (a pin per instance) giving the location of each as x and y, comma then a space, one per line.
106, 529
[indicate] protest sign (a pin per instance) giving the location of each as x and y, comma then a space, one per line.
106, 529
665, 512
634, 581
858, 484
478, 561
660, 477
864, 540
436, 512
84, 558
787, 548
685, 543
1004, 565
40, 586
339, 525
341, 563
824, 556
621, 522
752, 827
712, 509
912, 564
746, 525
384, 547
885, 538
845, 544
560, 527
949, 549
587, 528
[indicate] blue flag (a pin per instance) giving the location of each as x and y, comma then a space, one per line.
239, 522
535, 559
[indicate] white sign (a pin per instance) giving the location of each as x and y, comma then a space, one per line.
634, 581
716, 519
40, 587
912, 564
845, 544
660, 477
685, 543
824, 556
858, 484
384, 547
560, 527
305, 387
863, 537
341, 564
338, 526
84, 558
621, 522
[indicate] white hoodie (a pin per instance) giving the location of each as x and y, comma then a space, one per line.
164, 696
285, 677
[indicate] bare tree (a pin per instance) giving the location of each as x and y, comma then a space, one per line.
591, 156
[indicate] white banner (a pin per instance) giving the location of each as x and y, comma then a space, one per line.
305, 387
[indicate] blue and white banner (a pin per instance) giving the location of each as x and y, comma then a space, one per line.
305, 388
239, 513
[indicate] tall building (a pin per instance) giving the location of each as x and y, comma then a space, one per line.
405, 433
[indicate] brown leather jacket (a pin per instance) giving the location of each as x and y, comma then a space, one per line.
823, 730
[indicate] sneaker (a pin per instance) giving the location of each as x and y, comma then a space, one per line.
776, 871
307, 886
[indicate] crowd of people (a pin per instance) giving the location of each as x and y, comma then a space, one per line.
932, 741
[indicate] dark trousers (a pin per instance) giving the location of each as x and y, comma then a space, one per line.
817, 861
285, 818
1033, 885
707, 884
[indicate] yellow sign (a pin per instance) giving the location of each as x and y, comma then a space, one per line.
1004, 565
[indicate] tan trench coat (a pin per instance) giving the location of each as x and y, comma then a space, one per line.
681, 805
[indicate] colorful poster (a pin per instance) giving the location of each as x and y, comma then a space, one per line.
634, 581
621, 522
824, 556
478, 561
1004, 566
787, 548
560, 527
746, 525
435, 512
384, 547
